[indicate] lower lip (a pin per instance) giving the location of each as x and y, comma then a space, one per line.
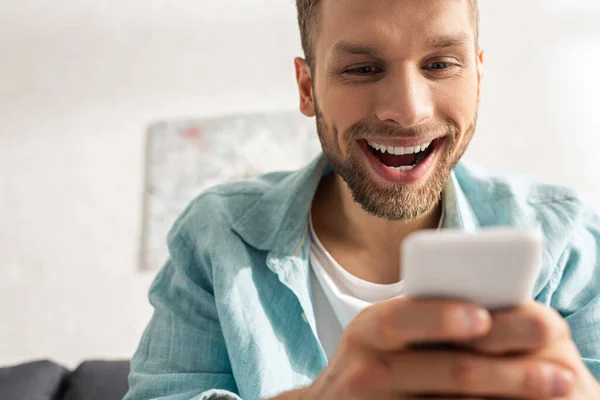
402, 177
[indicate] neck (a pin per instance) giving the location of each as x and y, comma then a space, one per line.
335, 213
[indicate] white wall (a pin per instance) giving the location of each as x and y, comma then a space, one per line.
79, 81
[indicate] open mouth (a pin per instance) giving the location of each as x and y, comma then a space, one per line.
401, 158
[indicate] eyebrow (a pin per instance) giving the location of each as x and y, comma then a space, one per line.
436, 42
445, 41
356, 49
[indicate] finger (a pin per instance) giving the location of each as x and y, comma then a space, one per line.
564, 353
399, 323
403, 397
437, 398
527, 328
467, 374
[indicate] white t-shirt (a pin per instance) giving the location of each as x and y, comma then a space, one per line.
339, 296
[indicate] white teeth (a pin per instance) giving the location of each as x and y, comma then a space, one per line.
374, 145
403, 168
399, 151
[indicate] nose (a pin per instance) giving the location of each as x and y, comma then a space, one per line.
405, 99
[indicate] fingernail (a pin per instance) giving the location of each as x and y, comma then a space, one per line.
562, 382
476, 320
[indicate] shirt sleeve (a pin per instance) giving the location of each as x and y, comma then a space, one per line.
182, 354
577, 293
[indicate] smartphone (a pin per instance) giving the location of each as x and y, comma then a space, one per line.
495, 268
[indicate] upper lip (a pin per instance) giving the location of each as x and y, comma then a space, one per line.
402, 142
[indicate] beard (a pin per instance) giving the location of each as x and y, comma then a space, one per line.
395, 202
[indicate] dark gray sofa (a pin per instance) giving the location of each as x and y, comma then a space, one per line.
46, 380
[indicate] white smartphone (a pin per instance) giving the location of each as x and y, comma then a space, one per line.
495, 268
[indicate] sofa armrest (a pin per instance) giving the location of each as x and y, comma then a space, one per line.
39, 380
97, 380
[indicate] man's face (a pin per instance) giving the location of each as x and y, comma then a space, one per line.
395, 89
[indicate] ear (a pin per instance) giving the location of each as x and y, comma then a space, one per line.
305, 85
479, 74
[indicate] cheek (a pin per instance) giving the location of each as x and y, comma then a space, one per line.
458, 102
344, 107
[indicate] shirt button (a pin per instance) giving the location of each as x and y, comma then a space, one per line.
305, 318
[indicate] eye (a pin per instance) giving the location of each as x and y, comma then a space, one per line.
439, 66
364, 70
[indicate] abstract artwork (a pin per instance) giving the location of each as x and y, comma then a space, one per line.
185, 157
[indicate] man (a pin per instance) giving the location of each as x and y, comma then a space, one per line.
249, 304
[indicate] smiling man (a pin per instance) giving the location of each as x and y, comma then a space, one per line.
290, 285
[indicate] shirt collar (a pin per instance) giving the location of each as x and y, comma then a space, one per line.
458, 213
278, 221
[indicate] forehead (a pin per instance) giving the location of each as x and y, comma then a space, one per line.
393, 24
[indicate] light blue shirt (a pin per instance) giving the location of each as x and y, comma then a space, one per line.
233, 316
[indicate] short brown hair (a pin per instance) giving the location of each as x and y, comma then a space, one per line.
307, 18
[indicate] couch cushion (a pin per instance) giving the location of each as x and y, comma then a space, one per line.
97, 380
39, 380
